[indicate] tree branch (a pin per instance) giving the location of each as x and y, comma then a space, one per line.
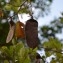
21, 6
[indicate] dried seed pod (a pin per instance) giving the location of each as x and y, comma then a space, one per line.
1, 13
11, 32
19, 30
31, 31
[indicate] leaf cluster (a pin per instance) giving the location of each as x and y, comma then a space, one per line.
17, 53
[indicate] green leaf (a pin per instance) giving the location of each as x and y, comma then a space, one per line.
19, 46
16, 3
15, 9
53, 44
11, 51
59, 55
22, 54
61, 20
56, 44
29, 1
24, 10
4, 49
48, 53
8, 7
54, 61
27, 60
6, 61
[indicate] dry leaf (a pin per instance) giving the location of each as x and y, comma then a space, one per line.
11, 32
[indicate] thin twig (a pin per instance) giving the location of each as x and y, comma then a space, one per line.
21, 6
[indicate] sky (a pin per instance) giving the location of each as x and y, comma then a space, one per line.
56, 8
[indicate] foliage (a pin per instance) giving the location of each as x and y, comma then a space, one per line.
17, 50
53, 46
55, 27
4, 28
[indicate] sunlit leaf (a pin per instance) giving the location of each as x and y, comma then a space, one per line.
24, 10
8, 7
27, 60
22, 55
16, 3
19, 46
6, 61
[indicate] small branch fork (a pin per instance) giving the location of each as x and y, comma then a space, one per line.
21, 6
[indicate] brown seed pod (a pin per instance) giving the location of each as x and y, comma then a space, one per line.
11, 32
19, 30
31, 31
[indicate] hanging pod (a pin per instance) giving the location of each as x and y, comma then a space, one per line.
11, 31
31, 31
19, 30
16, 30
